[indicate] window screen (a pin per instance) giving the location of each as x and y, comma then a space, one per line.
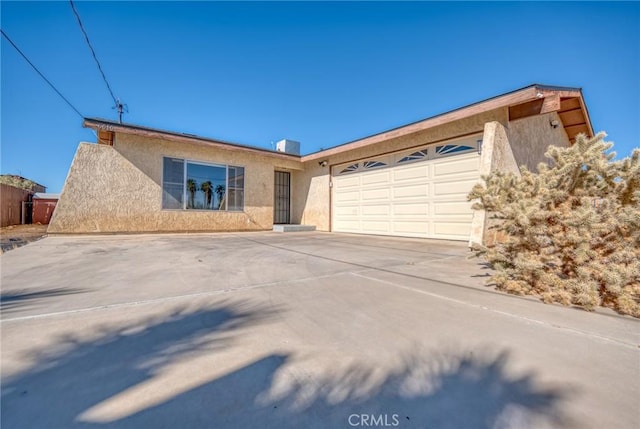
236, 188
173, 183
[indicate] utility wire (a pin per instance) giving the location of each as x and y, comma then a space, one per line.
40, 73
86, 37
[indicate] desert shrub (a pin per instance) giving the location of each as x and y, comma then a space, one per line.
571, 232
18, 182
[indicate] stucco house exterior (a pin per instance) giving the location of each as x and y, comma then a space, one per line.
411, 181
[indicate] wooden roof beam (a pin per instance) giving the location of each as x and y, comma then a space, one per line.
105, 137
550, 103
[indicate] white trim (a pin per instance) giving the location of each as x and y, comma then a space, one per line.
184, 184
209, 164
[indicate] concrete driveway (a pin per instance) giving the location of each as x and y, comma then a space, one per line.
296, 330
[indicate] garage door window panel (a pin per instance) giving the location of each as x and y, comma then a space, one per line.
415, 156
367, 165
350, 169
452, 149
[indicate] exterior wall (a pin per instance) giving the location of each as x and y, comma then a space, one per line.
119, 189
530, 137
496, 155
43, 210
313, 185
314, 181
523, 143
11, 203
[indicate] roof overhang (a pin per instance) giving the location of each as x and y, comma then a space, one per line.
529, 101
46, 196
106, 129
532, 100
567, 102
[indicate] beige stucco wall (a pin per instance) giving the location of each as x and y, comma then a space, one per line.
530, 137
312, 187
314, 181
496, 155
118, 189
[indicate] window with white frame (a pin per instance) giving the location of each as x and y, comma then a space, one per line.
191, 185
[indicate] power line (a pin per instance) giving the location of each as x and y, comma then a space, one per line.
118, 105
40, 73
86, 37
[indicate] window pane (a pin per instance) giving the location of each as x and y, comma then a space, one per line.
236, 177
172, 183
236, 199
206, 187
236, 188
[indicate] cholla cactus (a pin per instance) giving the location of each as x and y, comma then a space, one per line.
571, 232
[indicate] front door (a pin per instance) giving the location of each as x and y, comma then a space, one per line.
282, 197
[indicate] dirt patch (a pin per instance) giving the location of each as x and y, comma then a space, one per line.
12, 237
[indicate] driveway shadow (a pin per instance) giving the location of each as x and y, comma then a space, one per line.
455, 388
79, 374
10, 301
447, 391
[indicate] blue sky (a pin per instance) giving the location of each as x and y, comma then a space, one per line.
320, 73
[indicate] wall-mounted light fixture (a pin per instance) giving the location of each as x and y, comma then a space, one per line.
554, 123
323, 163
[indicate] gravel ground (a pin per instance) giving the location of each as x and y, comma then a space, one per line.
12, 237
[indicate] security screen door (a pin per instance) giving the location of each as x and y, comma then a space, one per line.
282, 198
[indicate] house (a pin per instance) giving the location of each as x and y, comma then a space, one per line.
411, 181
43, 206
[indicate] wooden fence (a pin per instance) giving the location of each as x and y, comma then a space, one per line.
11, 199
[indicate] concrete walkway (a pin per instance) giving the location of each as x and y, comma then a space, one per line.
296, 330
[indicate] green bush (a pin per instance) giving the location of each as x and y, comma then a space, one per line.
569, 233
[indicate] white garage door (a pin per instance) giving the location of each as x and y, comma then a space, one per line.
419, 193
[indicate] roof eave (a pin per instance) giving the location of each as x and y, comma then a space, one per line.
105, 125
566, 93
515, 97
523, 95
